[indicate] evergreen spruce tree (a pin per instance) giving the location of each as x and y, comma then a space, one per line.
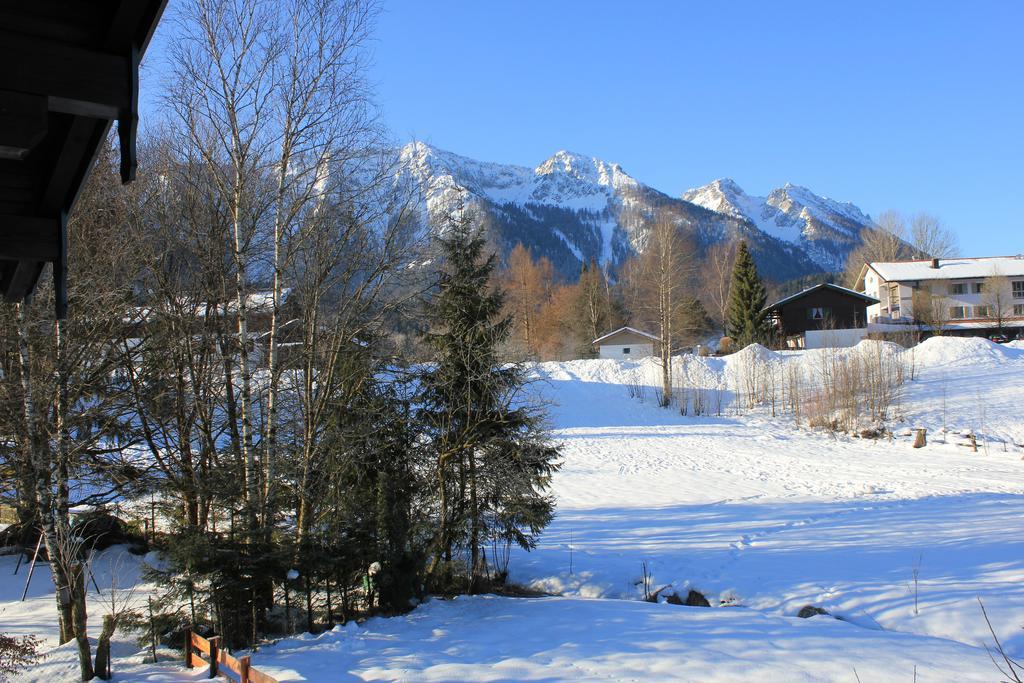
694, 323
747, 296
491, 458
373, 488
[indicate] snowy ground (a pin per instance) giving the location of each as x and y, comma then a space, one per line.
751, 511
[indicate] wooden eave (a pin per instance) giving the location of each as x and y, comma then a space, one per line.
68, 69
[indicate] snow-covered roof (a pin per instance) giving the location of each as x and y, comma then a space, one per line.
823, 285
626, 329
261, 301
950, 268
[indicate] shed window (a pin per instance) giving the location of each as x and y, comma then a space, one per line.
818, 313
625, 350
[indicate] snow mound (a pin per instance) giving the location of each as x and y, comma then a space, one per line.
887, 348
959, 351
755, 353
867, 349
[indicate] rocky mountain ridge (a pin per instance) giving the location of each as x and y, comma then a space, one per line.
574, 208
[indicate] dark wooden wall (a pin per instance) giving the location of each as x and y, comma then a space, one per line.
847, 312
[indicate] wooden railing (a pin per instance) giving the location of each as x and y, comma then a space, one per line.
220, 662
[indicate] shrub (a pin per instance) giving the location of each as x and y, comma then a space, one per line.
16, 653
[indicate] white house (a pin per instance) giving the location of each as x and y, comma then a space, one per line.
626, 342
956, 289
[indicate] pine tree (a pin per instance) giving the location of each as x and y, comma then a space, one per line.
492, 460
694, 324
372, 487
747, 297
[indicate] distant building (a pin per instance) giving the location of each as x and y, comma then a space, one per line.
821, 316
259, 307
954, 294
626, 342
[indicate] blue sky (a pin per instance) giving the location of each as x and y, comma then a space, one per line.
910, 105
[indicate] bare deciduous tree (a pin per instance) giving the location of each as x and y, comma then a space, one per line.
717, 275
930, 238
894, 238
931, 309
997, 296
656, 284
886, 241
223, 97
527, 284
71, 423
118, 601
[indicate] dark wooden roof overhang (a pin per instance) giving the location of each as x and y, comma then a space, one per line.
68, 69
867, 300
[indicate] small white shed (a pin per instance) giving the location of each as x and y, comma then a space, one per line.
626, 342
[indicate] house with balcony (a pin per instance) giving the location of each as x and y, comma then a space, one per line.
957, 296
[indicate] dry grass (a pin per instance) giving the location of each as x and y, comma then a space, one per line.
836, 389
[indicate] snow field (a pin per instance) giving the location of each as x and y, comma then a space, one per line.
755, 512
488, 638
750, 509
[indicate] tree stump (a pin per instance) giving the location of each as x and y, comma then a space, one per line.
920, 438
102, 667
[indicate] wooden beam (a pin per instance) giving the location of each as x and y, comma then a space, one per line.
73, 74
23, 123
95, 110
70, 168
29, 238
128, 123
23, 281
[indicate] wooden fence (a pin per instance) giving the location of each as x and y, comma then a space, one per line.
221, 663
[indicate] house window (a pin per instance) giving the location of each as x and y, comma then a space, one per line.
957, 312
894, 298
625, 350
958, 288
977, 287
1018, 309
1018, 289
818, 313
982, 311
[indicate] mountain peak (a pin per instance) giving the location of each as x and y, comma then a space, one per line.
727, 185
566, 160
791, 214
588, 170
790, 196
723, 195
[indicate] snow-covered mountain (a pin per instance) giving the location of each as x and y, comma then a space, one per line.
574, 208
823, 228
